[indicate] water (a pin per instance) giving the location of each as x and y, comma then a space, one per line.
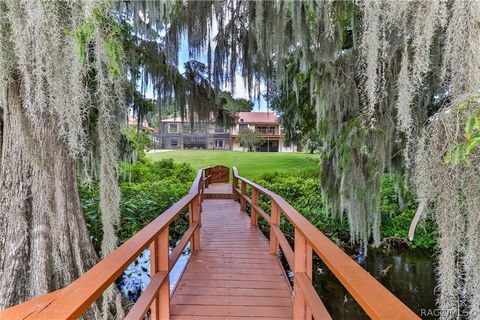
408, 274
136, 276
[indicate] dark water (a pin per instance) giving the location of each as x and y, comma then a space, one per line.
408, 274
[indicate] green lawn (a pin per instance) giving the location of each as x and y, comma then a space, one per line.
249, 164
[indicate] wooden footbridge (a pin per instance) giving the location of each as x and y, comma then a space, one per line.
234, 272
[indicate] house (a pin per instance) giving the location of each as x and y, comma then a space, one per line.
175, 134
265, 123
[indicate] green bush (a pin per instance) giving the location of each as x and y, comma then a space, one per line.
302, 191
143, 202
147, 189
149, 171
136, 142
396, 218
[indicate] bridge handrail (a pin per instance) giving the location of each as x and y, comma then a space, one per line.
73, 300
373, 298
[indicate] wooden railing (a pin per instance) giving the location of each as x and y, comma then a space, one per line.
72, 301
375, 300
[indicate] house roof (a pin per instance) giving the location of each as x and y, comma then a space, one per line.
133, 121
243, 117
177, 119
257, 117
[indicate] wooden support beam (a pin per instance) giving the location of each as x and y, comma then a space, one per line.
159, 262
243, 202
177, 252
195, 217
283, 242
303, 264
264, 215
274, 220
234, 188
253, 206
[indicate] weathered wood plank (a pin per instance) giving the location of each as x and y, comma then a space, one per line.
220, 318
234, 311
240, 271
233, 275
234, 292
232, 301
229, 276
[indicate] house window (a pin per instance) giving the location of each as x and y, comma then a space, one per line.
242, 126
218, 143
174, 143
266, 130
173, 128
187, 128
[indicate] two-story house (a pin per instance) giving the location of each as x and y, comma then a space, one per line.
205, 135
265, 123
174, 134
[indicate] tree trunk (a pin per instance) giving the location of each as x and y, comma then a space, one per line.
44, 243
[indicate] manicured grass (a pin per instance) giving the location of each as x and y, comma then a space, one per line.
249, 164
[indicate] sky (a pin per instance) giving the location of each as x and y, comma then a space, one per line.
240, 89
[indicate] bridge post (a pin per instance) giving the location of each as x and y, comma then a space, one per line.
234, 188
243, 202
201, 191
253, 212
274, 220
194, 216
207, 181
159, 255
303, 264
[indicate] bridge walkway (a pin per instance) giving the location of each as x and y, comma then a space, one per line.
233, 275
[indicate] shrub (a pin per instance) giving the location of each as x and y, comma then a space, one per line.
148, 189
249, 139
149, 171
302, 191
398, 213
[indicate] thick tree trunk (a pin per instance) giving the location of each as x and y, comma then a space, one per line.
44, 243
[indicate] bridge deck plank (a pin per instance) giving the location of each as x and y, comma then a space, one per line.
219, 188
233, 276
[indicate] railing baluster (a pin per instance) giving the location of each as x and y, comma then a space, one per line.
274, 219
194, 216
154, 308
234, 188
159, 253
243, 202
253, 211
208, 176
303, 264
308, 271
